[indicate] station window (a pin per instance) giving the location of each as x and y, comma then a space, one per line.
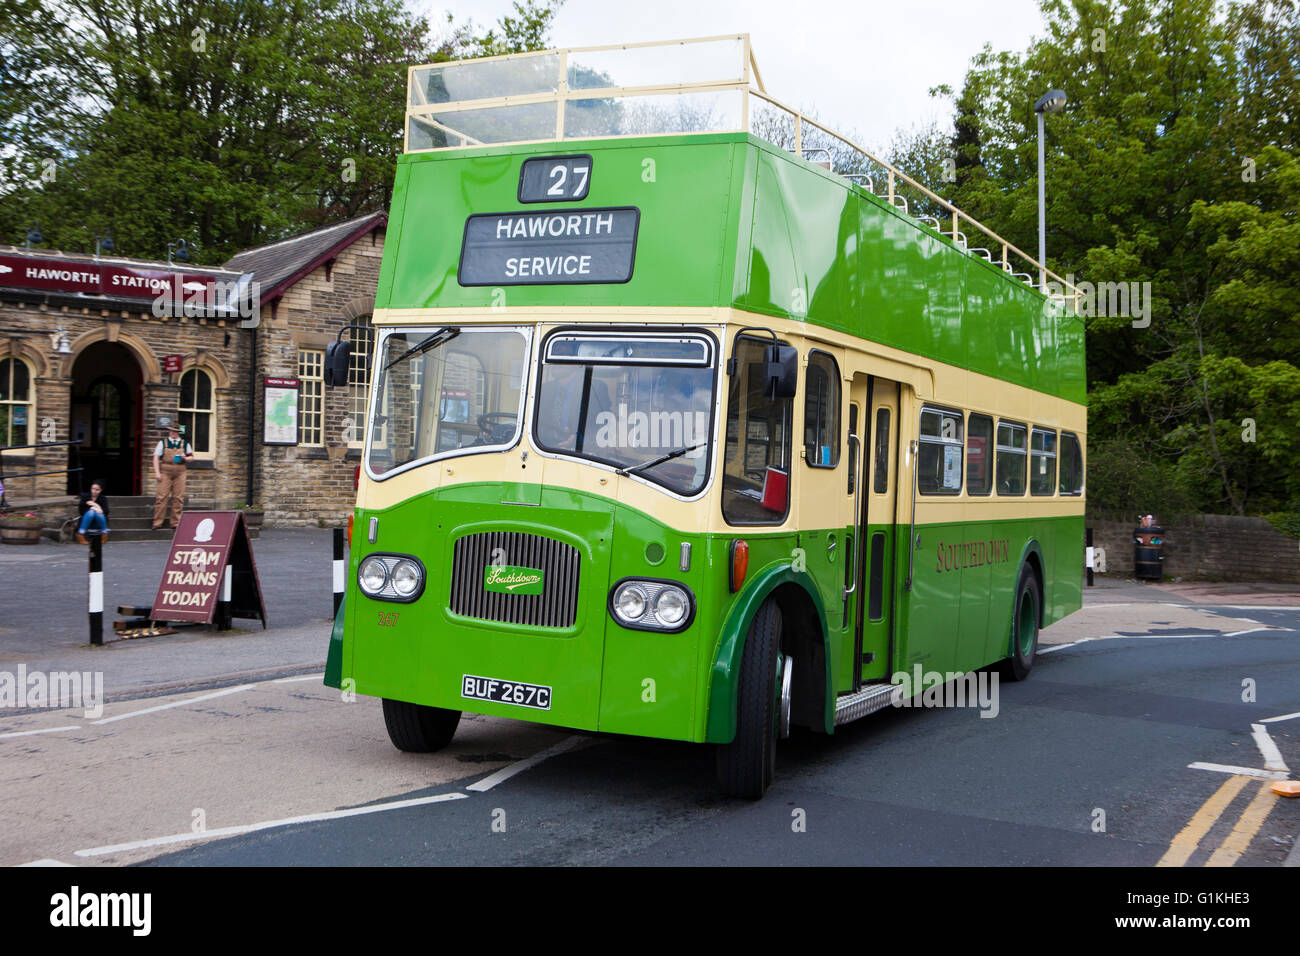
1042, 462
821, 412
979, 457
15, 402
196, 408
1011, 458
311, 400
756, 473
363, 344
1071, 465
939, 456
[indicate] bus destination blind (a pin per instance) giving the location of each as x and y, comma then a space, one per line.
551, 247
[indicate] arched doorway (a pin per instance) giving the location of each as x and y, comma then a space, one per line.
106, 418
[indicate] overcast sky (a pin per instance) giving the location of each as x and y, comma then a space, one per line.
864, 66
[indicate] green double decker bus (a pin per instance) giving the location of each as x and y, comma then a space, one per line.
690, 418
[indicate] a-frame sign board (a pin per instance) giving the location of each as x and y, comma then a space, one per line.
205, 545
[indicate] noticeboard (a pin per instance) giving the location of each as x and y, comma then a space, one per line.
204, 545
280, 411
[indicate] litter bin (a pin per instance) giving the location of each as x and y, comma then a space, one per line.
1148, 553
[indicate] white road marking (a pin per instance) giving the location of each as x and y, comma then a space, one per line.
1257, 607
505, 773
175, 703
1243, 771
294, 680
1061, 647
28, 733
1272, 756
47, 863
1274, 720
269, 824
1250, 631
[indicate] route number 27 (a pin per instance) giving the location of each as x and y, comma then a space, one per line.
559, 175
555, 178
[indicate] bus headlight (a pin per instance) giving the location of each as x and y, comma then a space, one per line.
391, 577
407, 578
372, 575
648, 604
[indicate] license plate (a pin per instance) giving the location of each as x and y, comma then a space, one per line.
506, 692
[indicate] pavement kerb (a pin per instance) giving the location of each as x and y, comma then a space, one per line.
215, 682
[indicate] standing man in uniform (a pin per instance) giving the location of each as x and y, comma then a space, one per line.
170, 456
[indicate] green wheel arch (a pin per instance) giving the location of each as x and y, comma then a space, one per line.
724, 683
1032, 548
334, 660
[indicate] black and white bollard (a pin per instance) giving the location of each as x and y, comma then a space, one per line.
1090, 554
95, 604
222, 618
338, 569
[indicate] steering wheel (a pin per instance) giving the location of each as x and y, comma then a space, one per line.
498, 427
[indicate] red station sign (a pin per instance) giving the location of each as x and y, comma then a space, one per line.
100, 278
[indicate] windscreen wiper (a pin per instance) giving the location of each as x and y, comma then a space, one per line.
658, 461
419, 348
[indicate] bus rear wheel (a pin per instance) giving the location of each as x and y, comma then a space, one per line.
1024, 627
419, 729
747, 764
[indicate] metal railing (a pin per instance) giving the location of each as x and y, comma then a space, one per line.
565, 94
6, 476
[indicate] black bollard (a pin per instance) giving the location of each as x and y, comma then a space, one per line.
95, 605
338, 569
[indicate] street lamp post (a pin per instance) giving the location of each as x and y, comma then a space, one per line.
1053, 101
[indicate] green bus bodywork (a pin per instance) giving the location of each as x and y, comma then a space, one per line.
726, 220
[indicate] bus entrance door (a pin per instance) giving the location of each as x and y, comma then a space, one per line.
876, 529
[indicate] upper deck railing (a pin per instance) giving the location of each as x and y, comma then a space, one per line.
614, 91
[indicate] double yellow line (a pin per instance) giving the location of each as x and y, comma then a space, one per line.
1236, 842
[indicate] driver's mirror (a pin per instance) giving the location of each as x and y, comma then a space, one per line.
337, 358
781, 371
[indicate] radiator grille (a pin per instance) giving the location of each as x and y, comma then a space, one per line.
556, 606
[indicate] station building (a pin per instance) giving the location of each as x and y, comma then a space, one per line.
103, 352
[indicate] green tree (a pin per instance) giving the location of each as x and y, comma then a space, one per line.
224, 122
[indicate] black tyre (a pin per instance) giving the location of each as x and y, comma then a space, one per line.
747, 764
419, 729
1024, 627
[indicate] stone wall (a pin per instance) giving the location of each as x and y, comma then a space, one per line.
307, 485
213, 345
1213, 547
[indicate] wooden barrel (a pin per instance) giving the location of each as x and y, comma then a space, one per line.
25, 535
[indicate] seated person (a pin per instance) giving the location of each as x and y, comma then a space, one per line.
93, 508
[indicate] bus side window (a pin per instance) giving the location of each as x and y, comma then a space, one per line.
979, 443
1011, 458
938, 460
1042, 456
853, 447
756, 475
881, 484
1071, 465
821, 415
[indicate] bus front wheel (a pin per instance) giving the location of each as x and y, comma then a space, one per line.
1024, 627
747, 764
419, 729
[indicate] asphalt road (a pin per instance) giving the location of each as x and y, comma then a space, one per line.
1086, 763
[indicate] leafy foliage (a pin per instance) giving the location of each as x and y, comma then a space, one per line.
1174, 164
224, 122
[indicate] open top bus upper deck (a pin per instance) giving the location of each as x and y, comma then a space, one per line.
702, 192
